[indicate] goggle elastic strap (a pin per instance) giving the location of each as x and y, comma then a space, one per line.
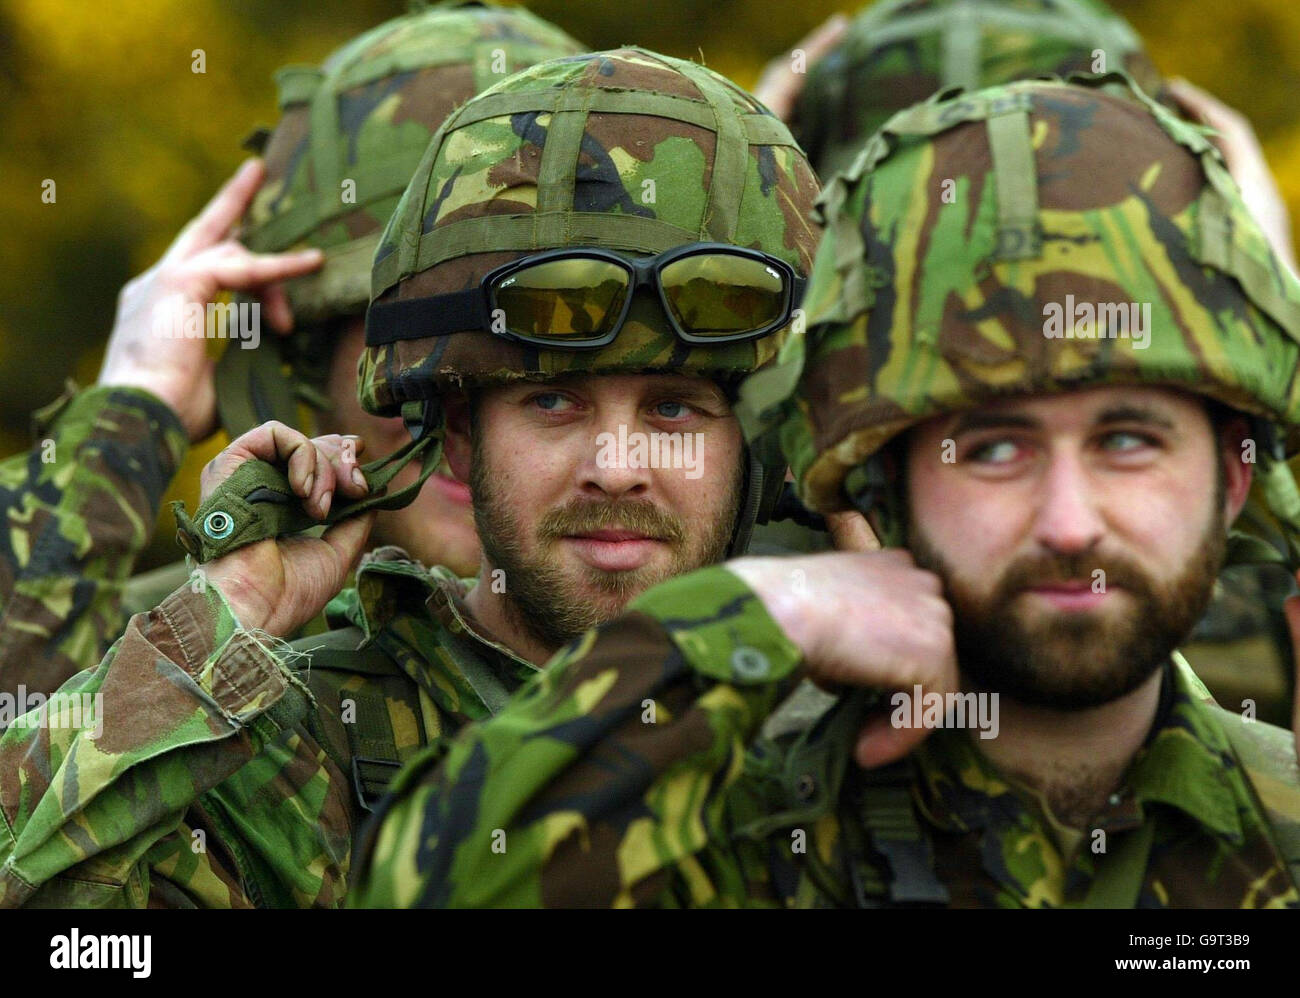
468, 310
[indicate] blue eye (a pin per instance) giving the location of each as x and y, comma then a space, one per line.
996, 452
550, 401
680, 408
1123, 440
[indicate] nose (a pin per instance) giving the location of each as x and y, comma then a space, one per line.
1068, 520
617, 464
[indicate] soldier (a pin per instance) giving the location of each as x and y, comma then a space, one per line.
897, 52
600, 246
1056, 497
82, 504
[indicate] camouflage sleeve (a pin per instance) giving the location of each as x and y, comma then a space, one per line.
603, 781
78, 508
100, 789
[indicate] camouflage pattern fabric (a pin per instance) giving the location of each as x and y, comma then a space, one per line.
353, 130
897, 53
624, 150
1241, 649
77, 522
579, 794
350, 136
913, 318
203, 765
963, 226
79, 506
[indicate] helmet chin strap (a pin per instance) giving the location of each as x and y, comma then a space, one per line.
257, 502
878, 498
758, 500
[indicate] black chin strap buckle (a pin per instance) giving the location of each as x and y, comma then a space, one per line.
421, 416
790, 507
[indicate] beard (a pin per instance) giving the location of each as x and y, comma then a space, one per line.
1073, 661
554, 604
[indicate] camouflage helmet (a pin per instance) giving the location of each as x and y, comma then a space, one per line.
351, 134
953, 242
897, 53
624, 150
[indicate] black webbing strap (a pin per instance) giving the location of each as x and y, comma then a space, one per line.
417, 318
887, 814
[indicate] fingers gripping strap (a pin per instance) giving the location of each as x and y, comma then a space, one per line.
256, 502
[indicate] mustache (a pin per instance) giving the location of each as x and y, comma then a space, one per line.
1050, 569
581, 516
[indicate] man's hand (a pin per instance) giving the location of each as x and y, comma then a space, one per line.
862, 619
202, 262
850, 531
780, 86
1245, 161
279, 585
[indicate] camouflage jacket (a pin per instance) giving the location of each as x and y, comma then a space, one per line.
627, 773
205, 765
78, 507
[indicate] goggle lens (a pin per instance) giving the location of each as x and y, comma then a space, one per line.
718, 294
574, 298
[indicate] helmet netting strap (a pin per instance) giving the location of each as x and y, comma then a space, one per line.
498, 233
559, 167
962, 40
1015, 182
730, 157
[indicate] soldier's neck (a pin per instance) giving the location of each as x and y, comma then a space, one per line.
1074, 759
495, 614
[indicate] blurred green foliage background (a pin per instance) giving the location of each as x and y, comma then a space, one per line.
101, 98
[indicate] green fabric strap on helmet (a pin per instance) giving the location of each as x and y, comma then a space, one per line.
731, 151
342, 281
1218, 247
256, 502
759, 129
885, 24
935, 115
324, 131
297, 84
855, 294
963, 38
558, 168
938, 115
1016, 184
518, 232
252, 387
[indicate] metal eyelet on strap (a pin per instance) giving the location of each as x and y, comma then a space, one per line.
218, 525
749, 663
